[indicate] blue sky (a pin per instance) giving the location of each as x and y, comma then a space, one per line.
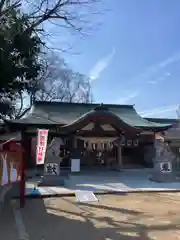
134, 56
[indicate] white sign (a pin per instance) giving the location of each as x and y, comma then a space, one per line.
52, 169
165, 167
75, 165
42, 136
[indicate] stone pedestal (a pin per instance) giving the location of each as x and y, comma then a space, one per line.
51, 176
52, 180
160, 175
162, 171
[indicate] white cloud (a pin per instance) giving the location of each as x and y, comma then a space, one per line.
100, 66
154, 69
151, 72
158, 80
159, 111
167, 74
153, 82
128, 97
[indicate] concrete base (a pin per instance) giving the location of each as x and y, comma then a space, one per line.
9, 191
163, 177
49, 180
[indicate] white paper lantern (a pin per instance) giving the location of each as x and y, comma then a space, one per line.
135, 142
129, 143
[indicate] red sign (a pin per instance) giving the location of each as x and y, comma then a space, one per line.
41, 145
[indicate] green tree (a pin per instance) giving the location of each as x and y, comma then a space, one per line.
21, 69
19, 58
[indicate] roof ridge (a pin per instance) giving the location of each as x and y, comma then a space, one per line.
81, 104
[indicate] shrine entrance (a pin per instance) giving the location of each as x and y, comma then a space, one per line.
133, 157
97, 152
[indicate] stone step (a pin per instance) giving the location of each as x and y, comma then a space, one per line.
163, 177
52, 181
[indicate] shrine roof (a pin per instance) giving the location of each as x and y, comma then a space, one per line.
62, 113
173, 121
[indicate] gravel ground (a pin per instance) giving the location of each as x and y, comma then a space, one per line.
132, 216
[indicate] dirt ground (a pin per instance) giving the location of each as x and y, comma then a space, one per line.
132, 216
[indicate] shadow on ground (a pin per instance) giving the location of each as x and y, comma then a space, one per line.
70, 220
7, 224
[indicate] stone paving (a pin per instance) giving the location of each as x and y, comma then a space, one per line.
126, 181
114, 181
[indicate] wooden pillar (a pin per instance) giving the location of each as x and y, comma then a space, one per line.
119, 158
29, 161
23, 169
74, 143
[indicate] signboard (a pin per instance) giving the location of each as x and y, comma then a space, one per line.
42, 136
129, 143
75, 165
52, 169
10, 167
165, 167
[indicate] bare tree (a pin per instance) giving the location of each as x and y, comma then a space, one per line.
58, 82
71, 14
61, 83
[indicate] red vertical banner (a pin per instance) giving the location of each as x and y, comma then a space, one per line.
42, 137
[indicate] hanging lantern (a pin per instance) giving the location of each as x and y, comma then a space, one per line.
129, 143
85, 145
122, 140
102, 146
89, 146
135, 142
109, 145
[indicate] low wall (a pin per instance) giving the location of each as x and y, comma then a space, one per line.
10, 174
9, 191
4, 191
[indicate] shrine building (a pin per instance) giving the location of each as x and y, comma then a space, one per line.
101, 135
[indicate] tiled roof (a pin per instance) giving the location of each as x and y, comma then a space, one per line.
164, 120
65, 113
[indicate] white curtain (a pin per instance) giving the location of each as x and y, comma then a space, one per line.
98, 140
